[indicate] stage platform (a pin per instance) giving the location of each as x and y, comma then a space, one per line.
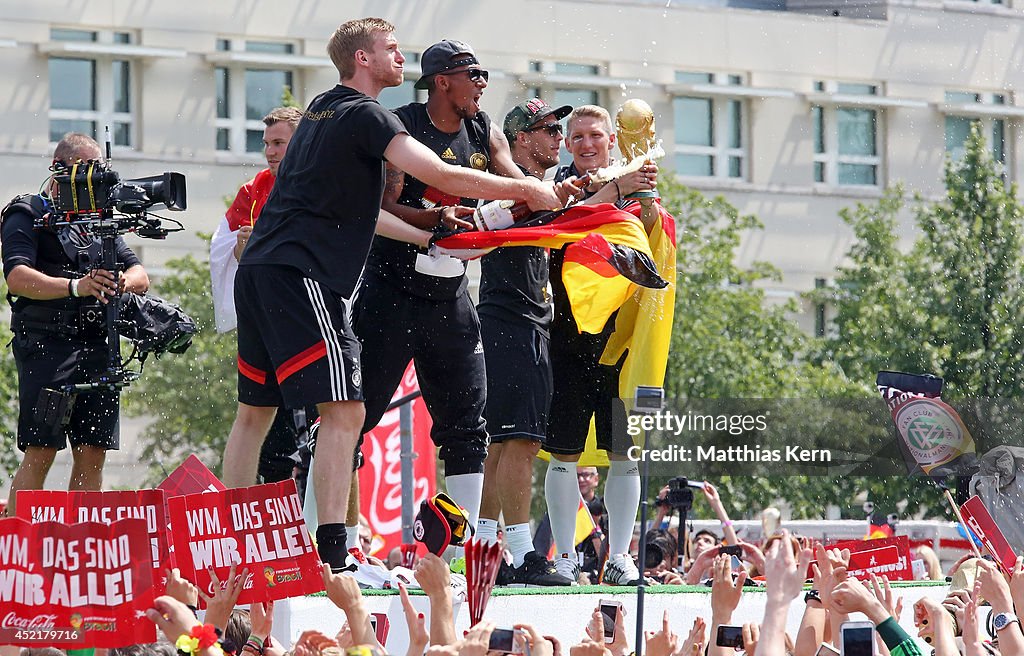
564, 612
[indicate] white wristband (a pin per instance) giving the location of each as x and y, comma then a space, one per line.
73, 286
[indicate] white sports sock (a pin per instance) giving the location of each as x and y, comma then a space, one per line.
352, 537
518, 541
487, 530
621, 500
563, 497
467, 490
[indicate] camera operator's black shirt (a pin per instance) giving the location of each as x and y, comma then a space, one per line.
514, 285
41, 249
395, 261
321, 215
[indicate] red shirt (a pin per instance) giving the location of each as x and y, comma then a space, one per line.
250, 200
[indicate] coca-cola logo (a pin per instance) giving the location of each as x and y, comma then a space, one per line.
381, 478
13, 621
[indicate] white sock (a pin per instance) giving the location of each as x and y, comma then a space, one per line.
621, 500
487, 530
563, 497
352, 537
518, 541
467, 490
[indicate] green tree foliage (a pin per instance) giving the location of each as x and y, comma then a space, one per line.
192, 396
951, 306
9, 454
728, 342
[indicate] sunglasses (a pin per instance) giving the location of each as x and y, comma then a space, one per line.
475, 74
553, 130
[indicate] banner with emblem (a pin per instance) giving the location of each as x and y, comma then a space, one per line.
260, 529
75, 585
106, 507
380, 479
932, 437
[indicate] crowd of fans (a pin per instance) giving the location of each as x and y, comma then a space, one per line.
789, 568
951, 627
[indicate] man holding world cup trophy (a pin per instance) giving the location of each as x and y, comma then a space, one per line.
585, 384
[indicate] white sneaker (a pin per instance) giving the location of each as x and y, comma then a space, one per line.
568, 567
620, 570
460, 588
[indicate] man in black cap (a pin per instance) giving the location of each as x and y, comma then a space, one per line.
515, 313
412, 306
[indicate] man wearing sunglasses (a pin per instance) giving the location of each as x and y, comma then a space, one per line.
412, 306
515, 314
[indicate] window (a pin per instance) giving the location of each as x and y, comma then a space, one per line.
91, 92
709, 132
845, 136
970, 110
247, 92
565, 83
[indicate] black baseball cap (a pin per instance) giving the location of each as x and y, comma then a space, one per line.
443, 56
528, 114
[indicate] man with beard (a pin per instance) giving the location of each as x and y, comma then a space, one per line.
301, 265
412, 306
515, 314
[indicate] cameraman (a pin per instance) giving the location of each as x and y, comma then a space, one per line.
58, 320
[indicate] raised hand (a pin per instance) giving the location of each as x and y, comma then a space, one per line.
181, 588
225, 596
661, 643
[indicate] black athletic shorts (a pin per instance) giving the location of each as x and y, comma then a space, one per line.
583, 388
518, 379
49, 361
442, 338
295, 343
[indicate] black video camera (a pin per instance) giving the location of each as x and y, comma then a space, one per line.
680, 494
86, 190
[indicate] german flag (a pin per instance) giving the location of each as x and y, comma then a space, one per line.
608, 257
643, 326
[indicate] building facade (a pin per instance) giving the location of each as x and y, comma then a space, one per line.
791, 109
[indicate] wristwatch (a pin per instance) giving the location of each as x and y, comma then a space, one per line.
1002, 620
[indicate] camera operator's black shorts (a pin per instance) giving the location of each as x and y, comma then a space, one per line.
49, 361
518, 379
295, 343
583, 388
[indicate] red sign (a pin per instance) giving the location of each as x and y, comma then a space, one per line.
979, 520
380, 479
191, 477
78, 585
106, 507
260, 528
888, 557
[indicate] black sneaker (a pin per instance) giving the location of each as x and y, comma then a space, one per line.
536, 572
506, 574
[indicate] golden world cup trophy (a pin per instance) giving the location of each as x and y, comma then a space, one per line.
634, 128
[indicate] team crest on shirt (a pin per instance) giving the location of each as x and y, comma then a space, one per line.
478, 161
357, 378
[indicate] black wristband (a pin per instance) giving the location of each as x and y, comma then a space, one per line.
618, 192
195, 610
71, 290
812, 595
